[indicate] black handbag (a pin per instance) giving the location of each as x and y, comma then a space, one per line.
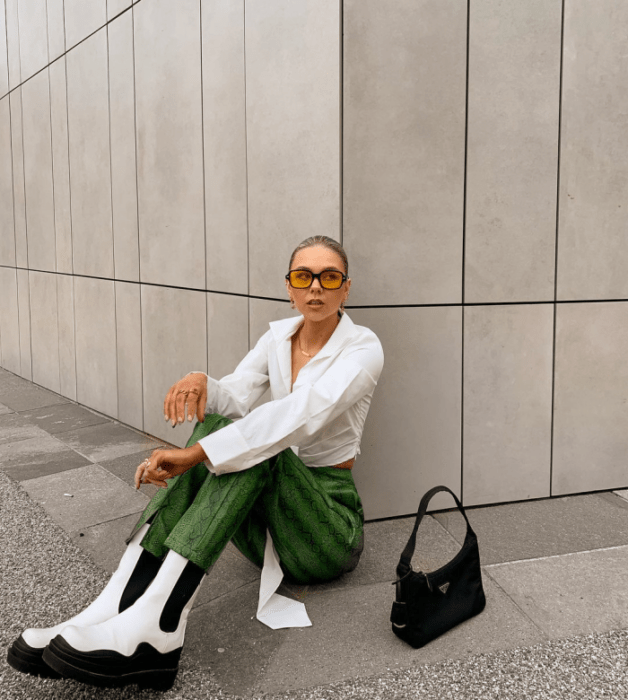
427, 605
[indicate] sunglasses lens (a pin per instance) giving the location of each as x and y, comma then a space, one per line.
331, 279
301, 279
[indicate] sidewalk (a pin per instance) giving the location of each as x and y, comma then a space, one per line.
553, 569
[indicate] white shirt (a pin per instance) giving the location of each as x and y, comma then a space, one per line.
322, 415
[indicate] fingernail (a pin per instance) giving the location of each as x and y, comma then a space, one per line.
180, 420
190, 418
165, 417
174, 422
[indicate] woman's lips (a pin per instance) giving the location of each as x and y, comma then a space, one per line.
315, 302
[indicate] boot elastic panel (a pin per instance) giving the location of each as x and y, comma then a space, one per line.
145, 571
183, 590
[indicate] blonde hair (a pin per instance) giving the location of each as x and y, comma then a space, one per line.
325, 242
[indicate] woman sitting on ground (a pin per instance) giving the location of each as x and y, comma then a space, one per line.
277, 482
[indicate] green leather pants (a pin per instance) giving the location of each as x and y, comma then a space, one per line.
314, 515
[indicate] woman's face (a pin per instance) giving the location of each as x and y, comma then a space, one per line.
317, 303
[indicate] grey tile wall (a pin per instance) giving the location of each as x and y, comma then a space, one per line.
90, 160
592, 241
38, 173
7, 221
162, 165
293, 126
512, 154
403, 157
33, 36
170, 143
4, 62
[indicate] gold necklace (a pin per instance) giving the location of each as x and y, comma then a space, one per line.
300, 348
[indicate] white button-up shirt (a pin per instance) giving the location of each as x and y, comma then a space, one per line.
322, 415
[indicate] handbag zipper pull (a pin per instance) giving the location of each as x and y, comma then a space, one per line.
429, 585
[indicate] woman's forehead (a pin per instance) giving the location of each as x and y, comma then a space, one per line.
317, 257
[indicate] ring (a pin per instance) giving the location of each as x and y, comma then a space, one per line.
183, 391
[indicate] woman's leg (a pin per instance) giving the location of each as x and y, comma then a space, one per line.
314, 516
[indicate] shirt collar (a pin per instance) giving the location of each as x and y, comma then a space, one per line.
284, 329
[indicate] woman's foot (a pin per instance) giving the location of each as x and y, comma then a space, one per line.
136, 570
140, 645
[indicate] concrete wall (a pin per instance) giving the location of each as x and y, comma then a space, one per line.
158, 163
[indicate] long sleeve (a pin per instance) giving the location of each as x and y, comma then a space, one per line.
233, 395
297, 417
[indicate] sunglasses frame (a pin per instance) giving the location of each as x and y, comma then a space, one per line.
318, 277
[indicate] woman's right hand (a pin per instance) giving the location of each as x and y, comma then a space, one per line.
189, 392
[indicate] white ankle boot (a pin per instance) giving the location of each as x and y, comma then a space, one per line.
26, 652
140, 645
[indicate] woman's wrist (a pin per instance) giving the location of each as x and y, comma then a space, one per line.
196, 453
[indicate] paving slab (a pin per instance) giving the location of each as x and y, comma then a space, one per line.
36, 457
543, 528
351, 637
224, 637
124, 468
14, 427
95, 497
572, 594
622, 494
60, 418
4, 409
21, 395
107, 441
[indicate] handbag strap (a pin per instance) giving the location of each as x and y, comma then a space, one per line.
404, 566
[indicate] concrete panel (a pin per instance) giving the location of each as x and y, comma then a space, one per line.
67, 340
96, 357
19, 199
90, 162
82, 18
107, 441
85, 505
123, 166
507, 403
543, 528
62, 417
61, 165
592, 242
13, 43
174, 342
40, 218
4, 59
56, 29
351, 637
9, 321
293, 127
411, 440
512, 157
591, 392
7, 221
37, 457
24, 311
44, 330
228, 333
403, 149
170, 142
129, 353
33, 36
262, 312
224, 131
115, 7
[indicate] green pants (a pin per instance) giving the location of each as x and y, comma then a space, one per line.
314, 515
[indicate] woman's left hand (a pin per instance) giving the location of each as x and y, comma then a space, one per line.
164, 464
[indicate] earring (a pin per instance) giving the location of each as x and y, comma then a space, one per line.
292, 304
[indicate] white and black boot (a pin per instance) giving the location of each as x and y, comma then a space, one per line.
136, 570
140, 645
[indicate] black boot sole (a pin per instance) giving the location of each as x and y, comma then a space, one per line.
27, 659
108, 669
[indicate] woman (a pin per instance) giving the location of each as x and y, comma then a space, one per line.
241, 481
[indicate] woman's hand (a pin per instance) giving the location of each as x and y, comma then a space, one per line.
191, 391
164, 464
